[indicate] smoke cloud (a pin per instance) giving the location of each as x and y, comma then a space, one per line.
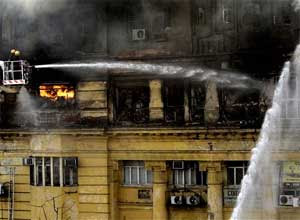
34, 7
296, 4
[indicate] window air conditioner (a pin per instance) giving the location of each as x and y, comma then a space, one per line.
193, 200
176, 200
28, 161
138, 34
178, 165
286, 200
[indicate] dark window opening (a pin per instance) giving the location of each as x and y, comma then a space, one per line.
132, 103
70, 171
174, 101
197, 102
47, 165
240, 107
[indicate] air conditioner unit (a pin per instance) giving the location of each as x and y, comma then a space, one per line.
286, 200
138, 34
28, 161
296, 202
178, 165
193, 200
176, 200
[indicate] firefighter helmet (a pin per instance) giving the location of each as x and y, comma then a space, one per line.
17, 53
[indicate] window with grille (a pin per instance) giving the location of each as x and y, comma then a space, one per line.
189, 175
54, 171
136, 174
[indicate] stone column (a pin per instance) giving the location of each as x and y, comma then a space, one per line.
214, 192
160, 177
114, 189
186, 102
156, 105
211, 109
92, 100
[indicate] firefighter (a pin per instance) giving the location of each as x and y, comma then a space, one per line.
12, 54
17, 54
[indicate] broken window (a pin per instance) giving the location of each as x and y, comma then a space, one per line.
132, 102
136, 174
174, 101
241, 107
47, 171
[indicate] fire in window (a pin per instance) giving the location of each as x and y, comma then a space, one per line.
54, 171
57, 92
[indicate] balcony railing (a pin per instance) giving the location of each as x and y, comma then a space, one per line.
174, 114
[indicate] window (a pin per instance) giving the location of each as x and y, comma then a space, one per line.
189, 175
227, 16
136, 174
174, 101
54, 171
236, 172
201, 16
132, 102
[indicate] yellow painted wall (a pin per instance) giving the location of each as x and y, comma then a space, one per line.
96, 152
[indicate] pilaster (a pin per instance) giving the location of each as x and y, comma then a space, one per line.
160, 178
214, 192
156, 105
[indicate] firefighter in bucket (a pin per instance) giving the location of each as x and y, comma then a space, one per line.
15, 71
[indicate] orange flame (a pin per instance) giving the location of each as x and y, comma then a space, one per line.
54, 92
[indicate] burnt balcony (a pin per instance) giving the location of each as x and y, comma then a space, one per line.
131, 103
174, 114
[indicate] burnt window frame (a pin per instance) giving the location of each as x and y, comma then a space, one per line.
177, 108
195, 107
137, 99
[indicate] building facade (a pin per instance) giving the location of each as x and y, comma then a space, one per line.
125, 144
